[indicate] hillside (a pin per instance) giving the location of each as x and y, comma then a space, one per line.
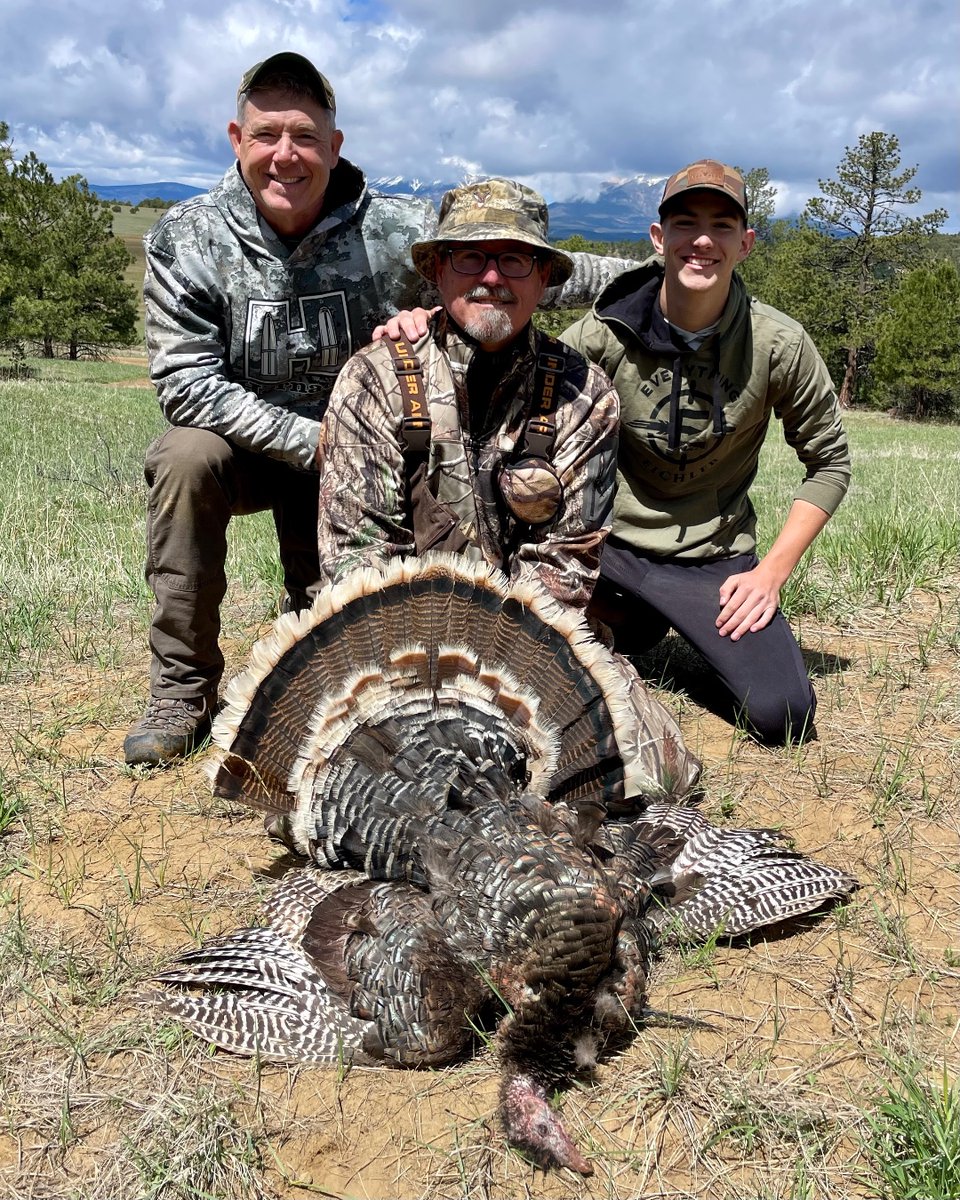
136, 193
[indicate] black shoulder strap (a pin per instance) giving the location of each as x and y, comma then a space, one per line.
415, 425
541, 431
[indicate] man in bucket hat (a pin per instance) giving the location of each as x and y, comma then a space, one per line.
484, 437
700, 369
256, 294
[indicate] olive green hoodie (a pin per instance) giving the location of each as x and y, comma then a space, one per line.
693, 421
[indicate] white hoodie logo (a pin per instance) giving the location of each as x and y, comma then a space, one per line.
277, 350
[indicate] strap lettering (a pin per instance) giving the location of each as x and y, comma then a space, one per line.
541, 430
415, 425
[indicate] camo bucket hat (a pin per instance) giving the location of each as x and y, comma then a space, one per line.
491, 211
706, 174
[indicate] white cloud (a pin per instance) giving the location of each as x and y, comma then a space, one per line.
559, 91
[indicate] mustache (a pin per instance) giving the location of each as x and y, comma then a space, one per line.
482, 292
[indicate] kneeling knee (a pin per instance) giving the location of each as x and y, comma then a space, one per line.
779, 720
186, 458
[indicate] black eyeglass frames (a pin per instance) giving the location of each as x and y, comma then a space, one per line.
512, 264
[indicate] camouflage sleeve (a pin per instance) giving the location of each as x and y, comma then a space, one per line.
566, 558
660, 761
361, 515
186, 321
591, 274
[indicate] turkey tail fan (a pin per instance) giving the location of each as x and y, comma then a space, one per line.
413, 643
707, 880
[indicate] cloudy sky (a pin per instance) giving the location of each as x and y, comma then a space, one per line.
562, 94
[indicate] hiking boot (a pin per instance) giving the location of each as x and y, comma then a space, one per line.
171, 728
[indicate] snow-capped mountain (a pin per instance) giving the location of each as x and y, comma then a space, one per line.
622, 211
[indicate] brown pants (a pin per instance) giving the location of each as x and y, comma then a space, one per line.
197, 482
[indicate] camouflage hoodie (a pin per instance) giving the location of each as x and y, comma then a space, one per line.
246, 333
479, 406
694, 421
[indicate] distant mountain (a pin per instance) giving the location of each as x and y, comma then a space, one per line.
134, 193
622, 211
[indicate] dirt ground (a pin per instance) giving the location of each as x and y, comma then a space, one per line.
110, 872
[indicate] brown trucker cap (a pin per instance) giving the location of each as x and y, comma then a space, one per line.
707, 174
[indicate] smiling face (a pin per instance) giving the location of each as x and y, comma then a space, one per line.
286, 148
489, 306
702, 238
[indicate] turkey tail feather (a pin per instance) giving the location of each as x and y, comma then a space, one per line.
421, 638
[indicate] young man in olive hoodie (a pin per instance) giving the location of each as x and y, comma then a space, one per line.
700, 369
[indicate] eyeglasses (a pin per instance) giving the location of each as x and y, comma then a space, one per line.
512, 264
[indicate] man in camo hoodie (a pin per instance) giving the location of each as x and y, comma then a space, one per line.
256, 294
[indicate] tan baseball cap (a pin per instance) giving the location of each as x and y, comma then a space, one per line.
288, 63
707, 174
491, 211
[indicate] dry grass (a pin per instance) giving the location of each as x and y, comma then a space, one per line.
106, 873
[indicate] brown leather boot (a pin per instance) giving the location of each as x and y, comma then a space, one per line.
172, 727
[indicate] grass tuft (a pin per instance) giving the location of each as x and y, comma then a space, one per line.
913, 1141
190, 1146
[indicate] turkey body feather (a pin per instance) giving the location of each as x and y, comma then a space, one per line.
457, 758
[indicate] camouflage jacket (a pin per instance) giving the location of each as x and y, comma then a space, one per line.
246, 334
363, 468
694, 421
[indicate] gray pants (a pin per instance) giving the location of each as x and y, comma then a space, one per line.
197, 482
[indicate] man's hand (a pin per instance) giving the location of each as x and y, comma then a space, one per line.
409, 323
749, 600
747, 603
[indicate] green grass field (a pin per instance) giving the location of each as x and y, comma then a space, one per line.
130, 227
828, 1065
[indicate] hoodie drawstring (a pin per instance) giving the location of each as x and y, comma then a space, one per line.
719, 424
673, 426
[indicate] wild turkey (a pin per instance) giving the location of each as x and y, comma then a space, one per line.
475, 783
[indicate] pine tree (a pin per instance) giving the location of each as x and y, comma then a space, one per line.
761, 203
95, 305
61, 268
761, 200
871, 241
918, 353
794, 274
